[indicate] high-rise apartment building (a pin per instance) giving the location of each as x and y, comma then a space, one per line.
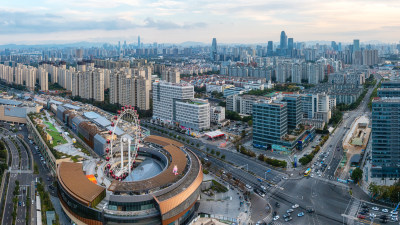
127, 89
171, 75
89, 84
43, 79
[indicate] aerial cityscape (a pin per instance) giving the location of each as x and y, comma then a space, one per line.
199, 112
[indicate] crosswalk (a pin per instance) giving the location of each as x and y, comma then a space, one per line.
352, 210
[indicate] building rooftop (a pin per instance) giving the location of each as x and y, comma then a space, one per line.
73, 179
386, 99
9, 102
177, 158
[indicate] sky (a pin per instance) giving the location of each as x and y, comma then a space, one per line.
177, 21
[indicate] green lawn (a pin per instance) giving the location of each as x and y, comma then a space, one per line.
50, 126
57, 138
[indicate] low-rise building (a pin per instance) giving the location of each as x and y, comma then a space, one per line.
217, 114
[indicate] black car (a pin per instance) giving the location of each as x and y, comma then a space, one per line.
310, 210
277, 204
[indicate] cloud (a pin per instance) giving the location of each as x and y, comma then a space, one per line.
27, 22
166, 25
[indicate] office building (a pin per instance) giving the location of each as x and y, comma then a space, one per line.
269, 123
164, 96
356, 45
270, 48
290, 44
174, 102
283, 41
192, 113
385, 141
214, 53
294, 110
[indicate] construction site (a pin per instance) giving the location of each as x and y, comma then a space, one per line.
354, 146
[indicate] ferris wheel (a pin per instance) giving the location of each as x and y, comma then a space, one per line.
123, 144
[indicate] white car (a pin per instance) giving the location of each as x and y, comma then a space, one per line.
285, 178
375, 208
385, 210
276, 217
394, 212
295, 206
372, 215
329, 167
394, 218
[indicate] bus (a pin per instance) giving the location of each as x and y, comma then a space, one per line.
307, 172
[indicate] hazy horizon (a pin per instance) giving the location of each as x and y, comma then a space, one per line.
175, 21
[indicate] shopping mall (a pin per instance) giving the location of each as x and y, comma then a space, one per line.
162, 187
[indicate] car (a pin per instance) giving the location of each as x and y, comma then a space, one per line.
19, 203
285, 178
277, 204
300, 214
263, 187
360, 216
363, 213
289, 210
295, 206
375, 208
23, 204
364, 206
288, 219
385, 210
394, 212
394, 218
276, 217
329, 167
372, 215
286, 215
310, 210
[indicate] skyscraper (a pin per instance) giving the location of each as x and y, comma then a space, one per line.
356, 45
283, 44
270, 48
138, 41
214, 50
290, 43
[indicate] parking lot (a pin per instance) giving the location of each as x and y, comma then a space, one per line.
368, 213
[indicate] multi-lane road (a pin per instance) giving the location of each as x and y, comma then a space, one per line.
19, 171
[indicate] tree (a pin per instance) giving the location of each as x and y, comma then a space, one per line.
250, 123
212, 152
218, 153
223, 157
356, 175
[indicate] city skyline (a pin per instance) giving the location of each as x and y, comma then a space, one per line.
179, 21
